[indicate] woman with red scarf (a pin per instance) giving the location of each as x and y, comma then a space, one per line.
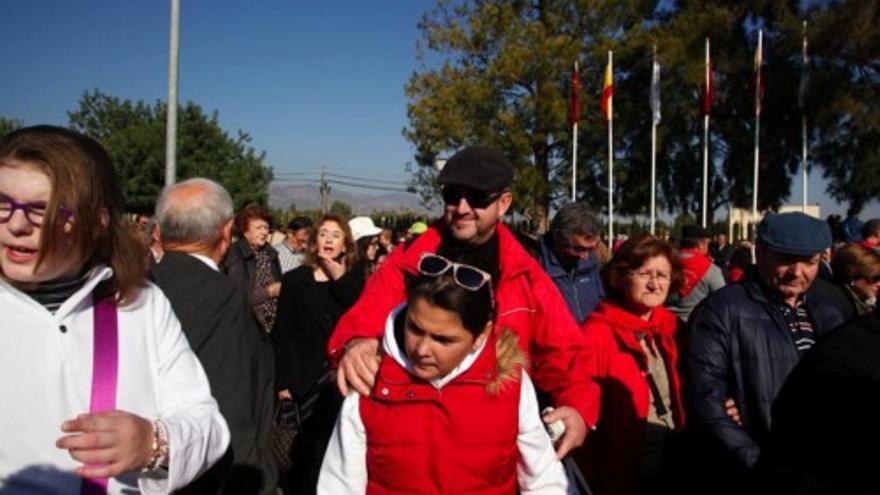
636, 368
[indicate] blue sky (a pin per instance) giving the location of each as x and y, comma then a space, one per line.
314, 83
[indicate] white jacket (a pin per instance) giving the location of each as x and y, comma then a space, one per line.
45, 379
344, 469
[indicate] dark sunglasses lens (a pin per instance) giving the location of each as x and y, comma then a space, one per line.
469, 278
451, 196
433, 265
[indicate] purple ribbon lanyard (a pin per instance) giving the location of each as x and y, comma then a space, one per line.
105, 367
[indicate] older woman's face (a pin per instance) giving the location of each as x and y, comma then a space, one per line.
647, 287
257, 233
24, 193
867, 288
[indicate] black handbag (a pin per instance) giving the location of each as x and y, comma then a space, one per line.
290, 416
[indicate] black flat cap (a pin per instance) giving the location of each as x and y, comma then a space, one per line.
482, 169
694, 232
794, 233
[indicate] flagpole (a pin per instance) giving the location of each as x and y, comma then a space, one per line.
611, 160
574, 152
654, 114
574, 116
706, 144
171, 113
804, 121
758, 59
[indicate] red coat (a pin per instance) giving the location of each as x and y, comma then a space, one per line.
528, 303
611, 454
461, 439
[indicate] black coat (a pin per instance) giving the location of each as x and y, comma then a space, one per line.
237, 357
825, 431
837, 295
241, 266
307, 312
741, 348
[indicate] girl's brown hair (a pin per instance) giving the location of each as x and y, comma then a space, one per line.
83, 180
351, 255
631, 255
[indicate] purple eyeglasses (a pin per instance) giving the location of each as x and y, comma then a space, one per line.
34, 211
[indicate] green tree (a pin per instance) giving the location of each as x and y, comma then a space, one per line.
8, 125
134, 135
340, 208
499, 83
495, 72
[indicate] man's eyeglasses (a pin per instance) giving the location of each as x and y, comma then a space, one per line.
465, 276
34, 211
474, 198
644, 276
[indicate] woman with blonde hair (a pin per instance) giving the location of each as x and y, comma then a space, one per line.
313, 298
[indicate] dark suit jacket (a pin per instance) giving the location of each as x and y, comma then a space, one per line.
237, 357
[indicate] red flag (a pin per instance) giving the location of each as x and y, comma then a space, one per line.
574, 109
608, 92
708, 84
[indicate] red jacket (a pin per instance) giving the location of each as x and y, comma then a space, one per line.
528, 303
461, 439
611, 454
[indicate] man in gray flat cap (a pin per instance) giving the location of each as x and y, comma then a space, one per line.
747, 337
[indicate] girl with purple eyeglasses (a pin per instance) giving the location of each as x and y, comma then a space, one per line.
101, 392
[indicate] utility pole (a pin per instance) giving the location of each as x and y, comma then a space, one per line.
324, 190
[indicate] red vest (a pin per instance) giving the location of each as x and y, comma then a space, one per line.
460, 439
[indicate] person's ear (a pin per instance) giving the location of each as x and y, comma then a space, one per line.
226, 230
504, 203
481, 339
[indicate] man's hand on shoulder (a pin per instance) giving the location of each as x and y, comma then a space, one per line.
575, 429
358, 366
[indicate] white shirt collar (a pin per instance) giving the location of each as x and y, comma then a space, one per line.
204, 259
389, 343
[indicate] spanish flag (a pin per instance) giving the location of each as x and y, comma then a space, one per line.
608, 93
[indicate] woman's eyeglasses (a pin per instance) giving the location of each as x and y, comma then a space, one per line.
475, 199
34, 211
465, 276
644, 276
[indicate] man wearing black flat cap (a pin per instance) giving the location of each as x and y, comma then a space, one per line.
746, 338
476, 196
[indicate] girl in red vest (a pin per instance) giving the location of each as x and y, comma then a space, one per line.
452, 410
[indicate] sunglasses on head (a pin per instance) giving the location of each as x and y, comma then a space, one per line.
476, 199
465, 276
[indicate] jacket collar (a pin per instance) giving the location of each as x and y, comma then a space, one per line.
554, 267
97, 274
512, 257
626, 326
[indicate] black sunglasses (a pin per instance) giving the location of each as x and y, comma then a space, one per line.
476, 199
465, 276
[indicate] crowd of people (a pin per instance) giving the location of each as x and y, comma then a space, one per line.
190, 353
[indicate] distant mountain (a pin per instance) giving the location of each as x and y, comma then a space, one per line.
306, 197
